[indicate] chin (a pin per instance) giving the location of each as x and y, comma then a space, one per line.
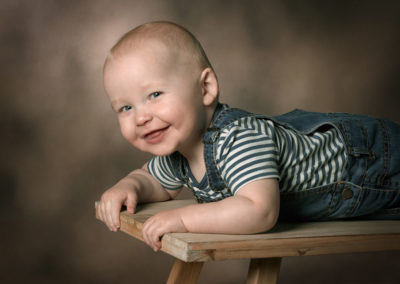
164, 148
160, 152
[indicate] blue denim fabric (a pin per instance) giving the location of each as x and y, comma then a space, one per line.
370, 184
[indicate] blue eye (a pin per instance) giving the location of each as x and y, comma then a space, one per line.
125, 108
155, 95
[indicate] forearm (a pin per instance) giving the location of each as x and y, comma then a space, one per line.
254, 209
233, 215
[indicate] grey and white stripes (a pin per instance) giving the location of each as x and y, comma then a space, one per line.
309, 161
162, 169
250, 149
247, 152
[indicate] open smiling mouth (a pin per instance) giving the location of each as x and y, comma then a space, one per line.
156, 136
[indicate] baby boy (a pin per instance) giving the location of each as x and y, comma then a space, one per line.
241, 167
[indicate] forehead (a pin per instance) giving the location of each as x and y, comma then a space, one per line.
152, 54
140, 63
145, 67
151, 58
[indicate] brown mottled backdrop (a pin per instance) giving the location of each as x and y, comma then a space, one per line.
61, 146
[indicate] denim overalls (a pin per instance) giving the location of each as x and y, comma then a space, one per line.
370, 184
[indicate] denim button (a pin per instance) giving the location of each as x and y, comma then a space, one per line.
347, 193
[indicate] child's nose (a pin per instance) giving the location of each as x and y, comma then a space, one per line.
142, 117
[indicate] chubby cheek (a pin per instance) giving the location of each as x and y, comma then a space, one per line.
128, 132
194, 124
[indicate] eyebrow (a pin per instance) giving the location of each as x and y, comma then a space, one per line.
113, 103
146, 85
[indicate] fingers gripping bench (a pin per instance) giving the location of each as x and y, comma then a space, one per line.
265, 250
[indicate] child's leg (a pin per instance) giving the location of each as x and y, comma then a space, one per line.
381, 185
370, 185
392, 180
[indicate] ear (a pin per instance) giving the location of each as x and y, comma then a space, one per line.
209, 86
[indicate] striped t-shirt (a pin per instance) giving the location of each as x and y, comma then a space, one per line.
251, 148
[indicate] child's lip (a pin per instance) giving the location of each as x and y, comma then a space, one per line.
156, 135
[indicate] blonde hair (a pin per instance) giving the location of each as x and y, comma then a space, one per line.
174, 36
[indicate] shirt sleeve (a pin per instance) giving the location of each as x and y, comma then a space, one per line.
162, 169
247, 152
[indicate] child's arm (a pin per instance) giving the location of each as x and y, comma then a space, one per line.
137, 187
255, 208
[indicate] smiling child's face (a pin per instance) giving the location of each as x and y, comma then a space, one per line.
160, 97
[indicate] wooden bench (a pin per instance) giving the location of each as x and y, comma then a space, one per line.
265, 250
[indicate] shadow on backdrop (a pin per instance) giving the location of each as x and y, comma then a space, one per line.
61, 146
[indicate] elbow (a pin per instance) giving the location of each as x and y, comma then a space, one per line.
265, 219
270, 222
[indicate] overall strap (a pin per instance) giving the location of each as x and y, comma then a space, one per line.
222, 118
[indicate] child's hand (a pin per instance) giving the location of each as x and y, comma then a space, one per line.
111, 202
154, 228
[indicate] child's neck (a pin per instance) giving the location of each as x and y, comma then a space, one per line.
196, 161
195, 154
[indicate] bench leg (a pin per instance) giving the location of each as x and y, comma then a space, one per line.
264, 270
184, 272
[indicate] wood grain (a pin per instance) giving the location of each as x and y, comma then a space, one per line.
184, 272
264, 271
285, 239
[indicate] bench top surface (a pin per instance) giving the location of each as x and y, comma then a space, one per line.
285, 239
